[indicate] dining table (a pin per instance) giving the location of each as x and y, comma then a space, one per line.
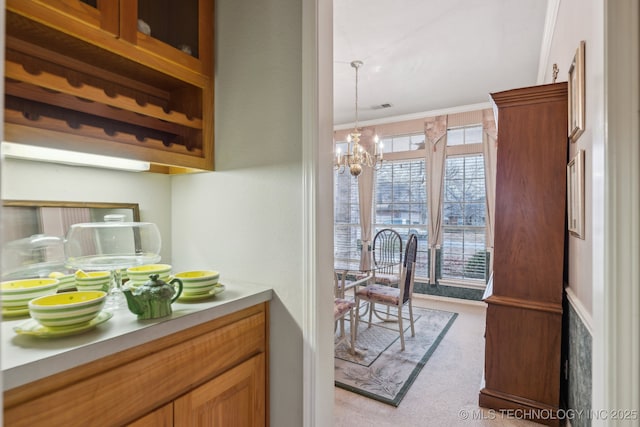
361, 277
343, 269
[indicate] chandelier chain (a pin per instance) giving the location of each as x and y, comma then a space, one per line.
356, 67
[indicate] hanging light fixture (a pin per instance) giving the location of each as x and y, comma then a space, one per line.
357, 156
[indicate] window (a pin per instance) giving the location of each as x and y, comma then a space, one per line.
464, 135
400, 203
400, 196
346, 218
395, 144
463, 218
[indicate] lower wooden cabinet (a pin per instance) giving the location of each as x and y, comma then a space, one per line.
235, 398
214, 374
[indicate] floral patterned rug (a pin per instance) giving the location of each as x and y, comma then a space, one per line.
380, 370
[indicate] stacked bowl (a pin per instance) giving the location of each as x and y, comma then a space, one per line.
66, 282
16, 294
140, 275
198, 282
93, 280
68, 309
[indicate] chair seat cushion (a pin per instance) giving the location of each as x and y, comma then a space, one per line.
341, 306
380, 293
387, 278
383, 278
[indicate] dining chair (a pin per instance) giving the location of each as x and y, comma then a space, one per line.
342, 307
393, 297
387, 256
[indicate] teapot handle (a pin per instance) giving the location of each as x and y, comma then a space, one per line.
179, 289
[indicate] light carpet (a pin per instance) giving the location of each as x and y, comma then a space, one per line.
380, 370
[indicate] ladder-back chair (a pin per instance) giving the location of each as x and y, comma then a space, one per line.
394, 297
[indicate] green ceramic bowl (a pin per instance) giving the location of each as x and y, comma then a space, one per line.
16, 294
67, 309
66, 281
198, 281
141, 273
93, 281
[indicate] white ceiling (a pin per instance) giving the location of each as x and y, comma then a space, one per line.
427, 55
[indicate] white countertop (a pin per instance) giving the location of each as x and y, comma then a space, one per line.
27, 358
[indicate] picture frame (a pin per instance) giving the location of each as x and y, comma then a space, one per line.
575, 195
576, 92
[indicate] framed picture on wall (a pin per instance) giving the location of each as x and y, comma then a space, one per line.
575, 195
576, 94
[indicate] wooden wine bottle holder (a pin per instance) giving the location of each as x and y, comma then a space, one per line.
67, 96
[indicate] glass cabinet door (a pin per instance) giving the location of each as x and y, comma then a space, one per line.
101, 14
172, 22
178, 30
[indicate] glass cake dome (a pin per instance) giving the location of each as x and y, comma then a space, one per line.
112, 245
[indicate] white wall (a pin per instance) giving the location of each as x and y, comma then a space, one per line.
26, 180
245, 219
583, 20
604, 267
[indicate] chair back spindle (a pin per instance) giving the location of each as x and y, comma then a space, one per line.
387, 250
409, 265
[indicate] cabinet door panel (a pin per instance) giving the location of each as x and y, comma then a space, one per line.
161, 417
235, 398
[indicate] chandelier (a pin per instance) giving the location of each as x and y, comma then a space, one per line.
357, 156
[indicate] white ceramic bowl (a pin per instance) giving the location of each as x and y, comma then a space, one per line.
141, 273
67, 308
93, 280
16, 294
198, 281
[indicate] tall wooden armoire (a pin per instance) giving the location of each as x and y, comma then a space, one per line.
524, 312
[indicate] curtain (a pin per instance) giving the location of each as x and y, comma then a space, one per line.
490, 148
435, 130
365, 201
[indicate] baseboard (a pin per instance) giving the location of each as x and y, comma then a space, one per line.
519, 408
449, 299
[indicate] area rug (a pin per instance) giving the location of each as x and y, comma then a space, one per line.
380, 370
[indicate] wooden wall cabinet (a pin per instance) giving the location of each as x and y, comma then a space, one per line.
524, 312
80, 75
214, 374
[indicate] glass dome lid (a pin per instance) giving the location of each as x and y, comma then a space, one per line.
34, 256
112, 245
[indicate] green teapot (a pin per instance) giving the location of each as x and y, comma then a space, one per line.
152, 299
